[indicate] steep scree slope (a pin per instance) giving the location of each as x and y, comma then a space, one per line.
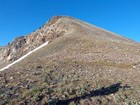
82, 64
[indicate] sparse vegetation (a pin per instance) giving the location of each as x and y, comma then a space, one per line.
81, 65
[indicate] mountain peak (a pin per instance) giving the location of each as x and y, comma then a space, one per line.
67, 60
56, 27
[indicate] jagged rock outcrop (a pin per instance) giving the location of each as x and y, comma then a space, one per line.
23, 44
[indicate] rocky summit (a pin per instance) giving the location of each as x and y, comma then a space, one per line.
80, 65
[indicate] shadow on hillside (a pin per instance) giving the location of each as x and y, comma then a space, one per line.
98, 92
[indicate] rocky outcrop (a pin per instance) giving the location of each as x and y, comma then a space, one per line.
23, 44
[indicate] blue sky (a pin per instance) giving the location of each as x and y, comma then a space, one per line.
21, 17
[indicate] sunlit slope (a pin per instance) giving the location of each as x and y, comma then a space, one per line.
83, 65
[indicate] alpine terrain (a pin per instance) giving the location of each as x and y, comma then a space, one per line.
70, 62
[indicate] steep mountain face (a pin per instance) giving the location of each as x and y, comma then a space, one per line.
56, 27
82, 64
24, 44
